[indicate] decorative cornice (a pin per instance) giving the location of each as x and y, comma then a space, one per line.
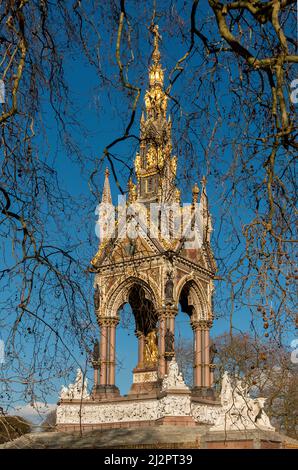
139, 261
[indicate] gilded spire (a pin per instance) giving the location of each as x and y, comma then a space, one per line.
154, 165
106, 192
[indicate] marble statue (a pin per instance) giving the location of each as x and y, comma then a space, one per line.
77, 390
239, 410
174, 380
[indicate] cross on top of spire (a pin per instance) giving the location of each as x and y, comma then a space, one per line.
155, 98
157, 37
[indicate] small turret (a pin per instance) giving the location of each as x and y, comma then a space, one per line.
106, 192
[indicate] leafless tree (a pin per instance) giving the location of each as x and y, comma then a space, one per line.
229, 87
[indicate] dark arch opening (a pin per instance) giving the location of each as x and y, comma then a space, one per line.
183, 300
138, 314
143, 309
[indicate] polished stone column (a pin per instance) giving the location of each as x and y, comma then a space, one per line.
206, 357
106, 387
172, 324
197, 382
203, 370
112, 351
103, 353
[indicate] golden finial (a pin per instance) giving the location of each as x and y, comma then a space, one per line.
195, 189
195, 193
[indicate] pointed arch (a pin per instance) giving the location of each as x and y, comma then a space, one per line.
120, 294
195, 297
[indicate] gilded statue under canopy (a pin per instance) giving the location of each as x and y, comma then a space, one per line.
151, 349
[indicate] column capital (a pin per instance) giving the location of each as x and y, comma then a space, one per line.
201, 324
96, 364
167, 312
108, 321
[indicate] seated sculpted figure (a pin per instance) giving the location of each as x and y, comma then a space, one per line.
174, 378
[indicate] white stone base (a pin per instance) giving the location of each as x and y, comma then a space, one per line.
126, 410
237, 411
89, 413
